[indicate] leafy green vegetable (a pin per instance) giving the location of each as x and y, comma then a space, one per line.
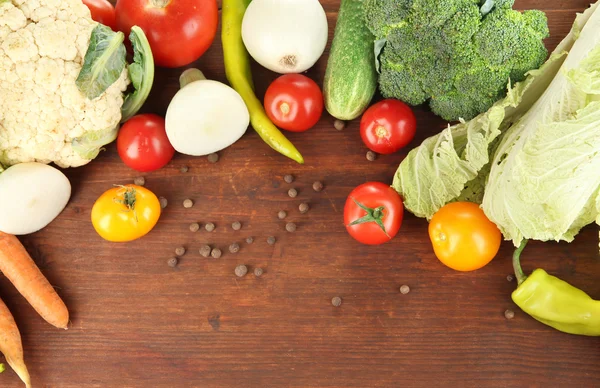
141, 73
447, 53
103, 63
89, 145
544, 181
2, 367
532, 159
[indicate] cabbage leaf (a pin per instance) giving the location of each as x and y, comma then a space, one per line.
532, 160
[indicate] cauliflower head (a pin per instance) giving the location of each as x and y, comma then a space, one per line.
45, 117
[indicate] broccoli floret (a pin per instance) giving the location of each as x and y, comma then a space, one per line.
447, 53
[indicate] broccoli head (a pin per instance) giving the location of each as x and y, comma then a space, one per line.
457, 55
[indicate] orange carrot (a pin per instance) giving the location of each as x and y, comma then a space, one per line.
10, 344
21, 271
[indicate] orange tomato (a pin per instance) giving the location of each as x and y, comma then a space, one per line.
463, 238
125, 213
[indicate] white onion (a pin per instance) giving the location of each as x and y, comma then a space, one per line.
32, 195
204, 117
285, 36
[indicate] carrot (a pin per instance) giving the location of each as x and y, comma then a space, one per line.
21, 271
10, 344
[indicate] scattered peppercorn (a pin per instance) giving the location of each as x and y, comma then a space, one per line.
510, 278
180, 251
318, 186
249, 240
282, 214
216, 253
194, 227
336, 301
213, 158
404, 289
184, 169
339, 125
236, 226
271, 240
188, 203
288, 178
293, 193
258, 272
163, 202
234, 248
371, 156
509, 314
241, 270
173, 262
290, 227
209, 227
205, 251
139, 181
303, 208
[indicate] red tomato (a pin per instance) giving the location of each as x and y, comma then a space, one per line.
143, 143
102, 12
294, 102
179, 31
388, 126
373, 213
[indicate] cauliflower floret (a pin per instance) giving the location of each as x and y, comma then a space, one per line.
44, 116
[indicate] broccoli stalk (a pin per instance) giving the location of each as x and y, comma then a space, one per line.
457, 55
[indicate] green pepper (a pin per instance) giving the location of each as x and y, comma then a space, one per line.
555, 302
239, 75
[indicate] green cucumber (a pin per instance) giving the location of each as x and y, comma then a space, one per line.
351, 77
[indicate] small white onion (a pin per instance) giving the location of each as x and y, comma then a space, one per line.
285, 36
205, 117
32, 195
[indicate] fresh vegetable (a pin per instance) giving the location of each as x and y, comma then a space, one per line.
555, 302
179, 31
143, 143
455, 164
462, 237
294, 102
239, 75
32, 195
350, 78
285, 36
541, 180
102, 12
64, 100
21, 271
205, 116
125, 213
388, 126
373, 213
454, 54
11, 345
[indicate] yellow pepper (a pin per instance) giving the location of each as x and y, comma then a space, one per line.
239, 75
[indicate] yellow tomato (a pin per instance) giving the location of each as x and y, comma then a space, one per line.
463, 237
125, 213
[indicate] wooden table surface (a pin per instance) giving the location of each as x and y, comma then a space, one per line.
138, 323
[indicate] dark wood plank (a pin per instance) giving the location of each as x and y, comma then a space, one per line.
138, 323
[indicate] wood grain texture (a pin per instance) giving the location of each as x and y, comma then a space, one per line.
138, 323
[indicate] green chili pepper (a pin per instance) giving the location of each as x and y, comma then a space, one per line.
239, 75
555, 302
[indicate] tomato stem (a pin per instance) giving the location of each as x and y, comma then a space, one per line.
373, 215
381, 131
129, 199
521, 277
160, 3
